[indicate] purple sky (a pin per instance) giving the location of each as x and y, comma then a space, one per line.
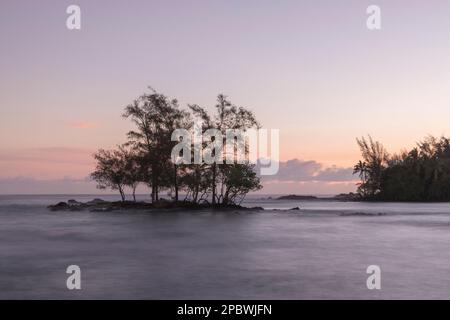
309, 68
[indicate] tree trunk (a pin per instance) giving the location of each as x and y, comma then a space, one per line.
153, 184
122, 194
226, 196
175, 182
214, 183
197, 185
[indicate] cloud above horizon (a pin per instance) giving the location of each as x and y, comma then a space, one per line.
47, 163
309, 177
296, 170
65, 170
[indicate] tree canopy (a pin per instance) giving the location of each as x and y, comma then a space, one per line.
421, 174
146, 156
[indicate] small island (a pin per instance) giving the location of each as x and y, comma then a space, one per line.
152, 157
340, 197
99, 205
296, 197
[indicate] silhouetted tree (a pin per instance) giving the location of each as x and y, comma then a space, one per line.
374, 161
134, 168
422, 174
110, 171
147, 156
228, 116
155, 117
363, 172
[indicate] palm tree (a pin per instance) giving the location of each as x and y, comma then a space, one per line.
363, 170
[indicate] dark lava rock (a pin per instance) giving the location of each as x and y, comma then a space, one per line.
59, 206
99, 205
96, 201
347, 197
296, 197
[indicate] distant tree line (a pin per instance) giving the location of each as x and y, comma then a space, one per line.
421, 174
146, 156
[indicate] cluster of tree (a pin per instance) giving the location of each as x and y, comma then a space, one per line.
146, 157
421, 174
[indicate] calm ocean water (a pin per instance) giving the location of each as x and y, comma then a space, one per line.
320, 252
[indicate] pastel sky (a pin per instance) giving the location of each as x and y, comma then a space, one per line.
309, 68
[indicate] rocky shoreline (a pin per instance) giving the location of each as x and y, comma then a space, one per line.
99, 205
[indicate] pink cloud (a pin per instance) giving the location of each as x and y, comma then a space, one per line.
46, 163
82, 125
296, 171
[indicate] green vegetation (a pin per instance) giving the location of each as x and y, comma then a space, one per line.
421, 174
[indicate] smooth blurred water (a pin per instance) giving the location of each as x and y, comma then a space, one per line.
312, 253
